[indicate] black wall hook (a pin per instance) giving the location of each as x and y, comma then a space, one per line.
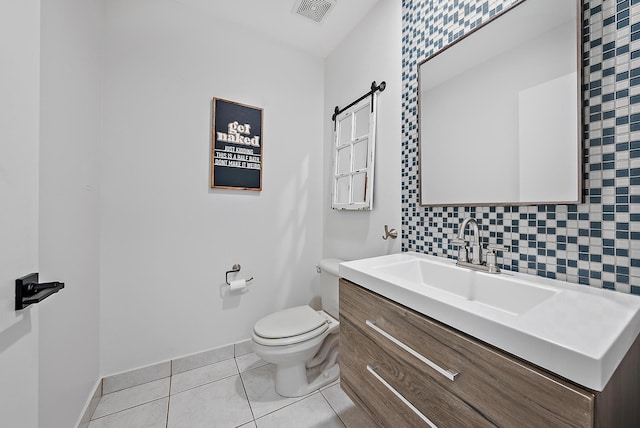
29, 291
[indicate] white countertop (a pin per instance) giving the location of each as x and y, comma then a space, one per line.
580, 332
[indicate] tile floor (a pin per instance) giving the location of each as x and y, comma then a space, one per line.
237, 392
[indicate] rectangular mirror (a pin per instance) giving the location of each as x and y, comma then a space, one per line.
500, 111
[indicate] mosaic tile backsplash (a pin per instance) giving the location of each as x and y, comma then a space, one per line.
596, 243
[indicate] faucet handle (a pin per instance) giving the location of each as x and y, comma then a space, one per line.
492, 258
463, 251
492, 248
458, 241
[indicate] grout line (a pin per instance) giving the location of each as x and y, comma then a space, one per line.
170, 376
252, 368
253, 416
332, 408
127, 404
209, 382
128, 408
203, 365
134, 386
299, 399
206, 383
170, 385
332, 384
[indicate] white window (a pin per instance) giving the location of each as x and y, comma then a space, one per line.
354, 143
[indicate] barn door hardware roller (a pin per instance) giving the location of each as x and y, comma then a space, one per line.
374, 88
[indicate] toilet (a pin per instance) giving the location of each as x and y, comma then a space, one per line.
303, 342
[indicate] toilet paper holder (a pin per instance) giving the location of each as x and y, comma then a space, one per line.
234, 269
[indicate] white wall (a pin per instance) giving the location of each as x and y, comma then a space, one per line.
372, 51
70, 111
166, 238
19, 97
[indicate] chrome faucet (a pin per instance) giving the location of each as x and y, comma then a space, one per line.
471, 256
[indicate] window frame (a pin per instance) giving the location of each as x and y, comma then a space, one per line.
351, 204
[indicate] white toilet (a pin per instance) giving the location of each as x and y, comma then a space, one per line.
302, 342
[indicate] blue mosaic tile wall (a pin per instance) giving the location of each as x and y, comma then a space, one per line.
596, 243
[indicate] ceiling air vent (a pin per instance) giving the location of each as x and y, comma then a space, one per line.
315, 10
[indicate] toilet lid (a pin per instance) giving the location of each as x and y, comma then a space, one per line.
289, 322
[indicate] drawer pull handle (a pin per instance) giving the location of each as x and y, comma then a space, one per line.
449, 374
397, 394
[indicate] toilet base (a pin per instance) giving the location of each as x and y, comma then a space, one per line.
297, 363
291, 381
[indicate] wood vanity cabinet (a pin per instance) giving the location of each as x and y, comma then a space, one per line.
407, 370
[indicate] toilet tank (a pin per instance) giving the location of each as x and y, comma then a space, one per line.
329, 285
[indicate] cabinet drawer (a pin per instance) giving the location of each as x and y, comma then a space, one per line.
397, 395
504, 390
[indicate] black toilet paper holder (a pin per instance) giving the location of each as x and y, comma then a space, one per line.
234, 269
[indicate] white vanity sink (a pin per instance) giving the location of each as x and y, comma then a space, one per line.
579, 332
492, 290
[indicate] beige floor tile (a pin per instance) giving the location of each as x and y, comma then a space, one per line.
249, 362
351, 415
203, 375
149, 415
228, 393
130, 397
310, 412
218, 404
259, 384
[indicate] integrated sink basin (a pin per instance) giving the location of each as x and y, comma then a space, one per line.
576, 331
503, 292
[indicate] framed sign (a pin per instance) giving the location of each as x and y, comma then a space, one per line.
236, 152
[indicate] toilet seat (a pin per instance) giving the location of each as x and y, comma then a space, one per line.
289, 326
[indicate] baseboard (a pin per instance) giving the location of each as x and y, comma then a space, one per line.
168, 368
90, 406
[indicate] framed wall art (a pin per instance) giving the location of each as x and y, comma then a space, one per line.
237, 146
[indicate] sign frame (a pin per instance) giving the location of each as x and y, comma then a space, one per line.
236, 145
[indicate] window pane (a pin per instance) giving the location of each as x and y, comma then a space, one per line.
362, 121
344, 160
345, 130
360, 154
342, 190
359, 187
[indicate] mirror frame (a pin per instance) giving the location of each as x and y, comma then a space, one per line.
580, 116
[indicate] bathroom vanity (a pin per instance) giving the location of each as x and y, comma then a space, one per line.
426, 343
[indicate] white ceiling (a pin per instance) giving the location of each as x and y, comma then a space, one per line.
274, 19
